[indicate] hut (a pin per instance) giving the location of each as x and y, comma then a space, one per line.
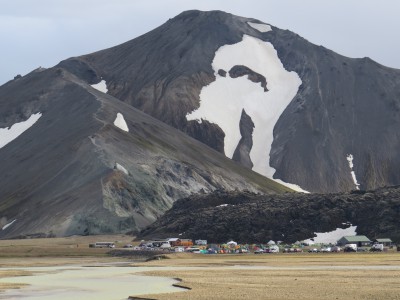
384, 241
359, 240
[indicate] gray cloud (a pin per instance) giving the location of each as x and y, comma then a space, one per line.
43, 32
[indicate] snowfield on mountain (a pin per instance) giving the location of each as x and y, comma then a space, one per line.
107, 142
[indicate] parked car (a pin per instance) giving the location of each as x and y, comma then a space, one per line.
376, 248
326, 249
128, 246
192, 250
350, 248
336, 249
242, 251
273, 249
259, 251
313, 250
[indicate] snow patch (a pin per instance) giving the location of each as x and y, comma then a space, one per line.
121, 168
225, 205
120, 122
223, 100
8, 225
7, 135
292, 186
350, 158
333, 236
260, 27
101, 86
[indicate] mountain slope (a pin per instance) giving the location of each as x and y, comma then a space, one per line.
250, 218
77, 170
311, 108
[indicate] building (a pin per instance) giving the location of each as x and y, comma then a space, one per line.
174, 242
177, 242
359, 240
186, 243
385, 241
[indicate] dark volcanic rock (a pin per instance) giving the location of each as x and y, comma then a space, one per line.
242, 152
206, 132
222, 73
238, 71
250, 218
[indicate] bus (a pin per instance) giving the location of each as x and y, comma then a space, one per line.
102, 245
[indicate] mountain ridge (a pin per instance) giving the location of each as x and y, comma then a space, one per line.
61, 176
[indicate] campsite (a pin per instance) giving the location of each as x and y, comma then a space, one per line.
28, 264
357, 243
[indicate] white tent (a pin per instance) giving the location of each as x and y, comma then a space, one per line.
271, 242
231, 243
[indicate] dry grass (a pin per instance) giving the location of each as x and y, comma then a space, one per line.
283, 284
57, 251
279, 260
287, 284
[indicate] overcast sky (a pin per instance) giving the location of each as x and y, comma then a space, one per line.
37, 33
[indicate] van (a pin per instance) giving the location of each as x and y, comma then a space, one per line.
377, 247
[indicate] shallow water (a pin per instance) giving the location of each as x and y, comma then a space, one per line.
80, 282
106, 281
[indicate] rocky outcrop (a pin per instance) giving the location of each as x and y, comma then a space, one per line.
252, 218
238, 71
222, 73
242, 152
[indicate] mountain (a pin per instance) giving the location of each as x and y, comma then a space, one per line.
250, 218
106, 142
266, 97
86, 163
